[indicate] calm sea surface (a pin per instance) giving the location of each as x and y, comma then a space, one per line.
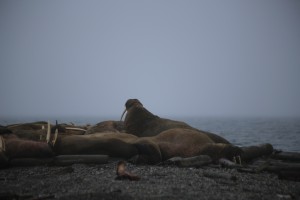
282, 133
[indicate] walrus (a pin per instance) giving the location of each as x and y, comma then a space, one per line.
14, 147
142, 123
177, 142
149, 150
182, 142
107, 143
107, 126
38, 130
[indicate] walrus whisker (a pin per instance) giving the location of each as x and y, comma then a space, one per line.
123, 114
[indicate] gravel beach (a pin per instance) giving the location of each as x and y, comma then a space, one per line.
81, 181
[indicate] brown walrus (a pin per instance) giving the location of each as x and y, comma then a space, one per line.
38, 130
181, 142
11, 146
109, 143
150, 150
107, 126
170, 143
142, 123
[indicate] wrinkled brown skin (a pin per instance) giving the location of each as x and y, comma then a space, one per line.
16, 147
142, 123
107, 126
149, 150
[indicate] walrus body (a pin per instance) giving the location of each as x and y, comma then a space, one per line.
38, 130
180, 142
150, 150
112, 144
15, 147
107, 126
142, 123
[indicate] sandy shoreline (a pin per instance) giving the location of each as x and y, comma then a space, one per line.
81, 181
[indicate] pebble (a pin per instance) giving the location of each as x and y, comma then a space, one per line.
157, 182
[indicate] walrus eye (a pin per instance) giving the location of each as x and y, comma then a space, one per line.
123, 114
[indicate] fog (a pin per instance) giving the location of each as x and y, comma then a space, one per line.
179, 58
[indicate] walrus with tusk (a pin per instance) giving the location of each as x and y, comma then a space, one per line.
148, 150
170, 138
142, 123
149, 139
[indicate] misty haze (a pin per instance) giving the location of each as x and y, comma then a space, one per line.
196, 58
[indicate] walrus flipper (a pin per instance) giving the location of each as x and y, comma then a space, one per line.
220, 150
149, 152
252, 152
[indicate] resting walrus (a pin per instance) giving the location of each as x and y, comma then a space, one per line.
109, 143
170, 143
181, 142
106, 126
11, 146
37, 130
142, 123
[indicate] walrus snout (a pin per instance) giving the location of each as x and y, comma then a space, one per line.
130, 103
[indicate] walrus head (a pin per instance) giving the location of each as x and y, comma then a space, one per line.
129, 104
137, 117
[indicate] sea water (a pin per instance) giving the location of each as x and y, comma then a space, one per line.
282, 133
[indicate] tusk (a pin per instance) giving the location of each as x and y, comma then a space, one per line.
239, 160
48, 133
123, 114
55, 137
234, 159
75, 129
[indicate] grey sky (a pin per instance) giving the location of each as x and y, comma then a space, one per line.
206, 58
